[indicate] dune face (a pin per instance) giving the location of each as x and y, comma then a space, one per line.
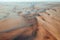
30, 21
24, 33
12, 23
50, 20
